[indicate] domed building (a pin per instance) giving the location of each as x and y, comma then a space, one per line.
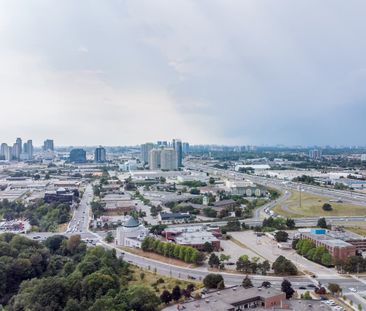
131, 233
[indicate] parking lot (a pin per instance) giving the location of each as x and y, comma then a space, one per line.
268, 249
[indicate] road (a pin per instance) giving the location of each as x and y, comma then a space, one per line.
81, 216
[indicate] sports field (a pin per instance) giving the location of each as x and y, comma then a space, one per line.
311, 205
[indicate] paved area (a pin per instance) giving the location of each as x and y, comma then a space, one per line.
267, 248
235, 251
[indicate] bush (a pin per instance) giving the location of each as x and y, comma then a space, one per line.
327, 207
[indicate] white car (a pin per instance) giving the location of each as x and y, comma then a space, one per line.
353, 289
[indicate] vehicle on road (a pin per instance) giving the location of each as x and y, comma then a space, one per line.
354, 290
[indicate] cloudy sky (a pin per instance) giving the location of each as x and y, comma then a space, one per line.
119, 72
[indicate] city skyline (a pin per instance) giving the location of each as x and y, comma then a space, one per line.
237, 73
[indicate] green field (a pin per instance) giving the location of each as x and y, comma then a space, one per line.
311, 205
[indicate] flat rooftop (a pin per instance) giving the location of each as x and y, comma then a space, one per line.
194, 238
225, 300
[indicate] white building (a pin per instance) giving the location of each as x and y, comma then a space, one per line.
130, 165
168, 159
131, 233
165, 159
145, 152
154, 159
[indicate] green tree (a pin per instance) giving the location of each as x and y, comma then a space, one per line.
334, 288
207, 247
214, 261
247, 282
176, 293
109, 237
141, 298
212, 280
166, 297
322, 223
243, 264
290, 223
286, 287
281, 236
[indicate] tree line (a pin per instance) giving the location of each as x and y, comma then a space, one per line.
309, 250
168, 249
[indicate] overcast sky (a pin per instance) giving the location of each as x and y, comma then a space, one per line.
206, 71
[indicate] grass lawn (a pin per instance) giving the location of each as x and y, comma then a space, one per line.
311, 205
158, 282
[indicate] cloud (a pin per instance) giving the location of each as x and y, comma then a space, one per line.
235, 72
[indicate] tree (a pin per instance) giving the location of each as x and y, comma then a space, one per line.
327, 207
141, 298
334, 288
211, 181
266, 284
283, 266
224, 257
286, 287
54, 243
176, 293
322, 223
207, 247
281, 236
212, 280
166, 297
264, 267
290, 223
214, 261
243, 264
109, 237
247, 282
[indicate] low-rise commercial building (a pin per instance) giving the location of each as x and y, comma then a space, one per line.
194, 236
236, 298
61, 195
340, 244
171, 218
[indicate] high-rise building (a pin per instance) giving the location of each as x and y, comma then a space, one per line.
78, 155
145, 152
315, 154
100, 155
168, 159
162, 143
19, 144
363, 157
185, 147
177, 145
155, 159
4, 150
15, 152
30, 149
48, 145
